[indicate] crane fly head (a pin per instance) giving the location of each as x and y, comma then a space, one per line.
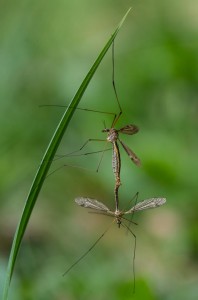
106, 130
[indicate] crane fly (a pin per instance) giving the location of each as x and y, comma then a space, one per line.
113, 138
118, 215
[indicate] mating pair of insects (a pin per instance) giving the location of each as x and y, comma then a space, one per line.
99, 207
113, 138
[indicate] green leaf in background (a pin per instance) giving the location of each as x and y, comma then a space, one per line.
47, 160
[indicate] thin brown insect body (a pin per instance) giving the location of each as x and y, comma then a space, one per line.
113, 137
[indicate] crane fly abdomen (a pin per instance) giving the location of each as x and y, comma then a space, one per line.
116, 161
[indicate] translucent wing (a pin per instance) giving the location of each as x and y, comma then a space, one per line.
146, 204
92, 203
129, 129
131, 154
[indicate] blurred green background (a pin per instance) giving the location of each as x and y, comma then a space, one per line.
46, 49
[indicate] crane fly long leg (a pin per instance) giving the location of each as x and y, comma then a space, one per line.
73, 166
116, 118
89, 140
135, 197
73, 153
127, 227
131, 154
59, 156
85, 109
101, 158
85, 254
97, 140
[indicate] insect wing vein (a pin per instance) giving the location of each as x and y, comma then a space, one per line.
129, 129
91, 203
131, 154
147, 204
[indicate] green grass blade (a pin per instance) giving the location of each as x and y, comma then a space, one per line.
47, 160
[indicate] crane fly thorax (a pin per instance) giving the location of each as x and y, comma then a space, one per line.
112, 135
118, 215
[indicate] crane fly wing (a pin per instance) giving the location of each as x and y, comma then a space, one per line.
91, 203
146, 204
131, 154
129, 129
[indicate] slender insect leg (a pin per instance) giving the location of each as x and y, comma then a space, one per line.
114, 87
73, 166
103, 151
87, 153
135, 197
63, 166
80, 258
124, 225
85, 109
80, 149
93, 140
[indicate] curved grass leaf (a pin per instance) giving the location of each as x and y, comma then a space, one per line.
47, 160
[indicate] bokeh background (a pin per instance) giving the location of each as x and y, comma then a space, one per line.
46, 49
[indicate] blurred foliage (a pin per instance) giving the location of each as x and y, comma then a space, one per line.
46, 49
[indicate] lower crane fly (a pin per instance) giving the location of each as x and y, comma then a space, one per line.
101, 208
118, 214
